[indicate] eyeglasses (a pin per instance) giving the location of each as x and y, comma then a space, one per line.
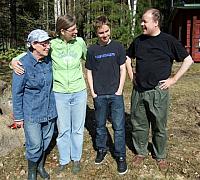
44, 44
71, 30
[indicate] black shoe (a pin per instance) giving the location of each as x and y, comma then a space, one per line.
100, 156
121, 165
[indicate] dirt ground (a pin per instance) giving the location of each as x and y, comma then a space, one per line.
183, 142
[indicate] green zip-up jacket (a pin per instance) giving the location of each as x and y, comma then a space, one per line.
67, 67
66, 62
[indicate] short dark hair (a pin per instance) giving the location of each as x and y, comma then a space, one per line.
31, 48
157, 16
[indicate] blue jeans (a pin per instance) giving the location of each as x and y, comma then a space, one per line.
116, 103
38, 137
71, 110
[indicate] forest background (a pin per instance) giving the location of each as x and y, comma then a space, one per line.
19, 17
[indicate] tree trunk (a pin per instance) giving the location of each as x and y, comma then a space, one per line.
132, 4
57, 9
64, 7
74, 7
13, 23
47, 15
70, 6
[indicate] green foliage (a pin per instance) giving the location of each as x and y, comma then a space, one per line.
162, 5
19, 17
10, 53
141, 6
29, 15
32, 15
119, 17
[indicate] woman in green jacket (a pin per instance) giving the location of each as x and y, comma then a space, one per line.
69, 87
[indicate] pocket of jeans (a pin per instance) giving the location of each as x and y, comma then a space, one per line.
159, 97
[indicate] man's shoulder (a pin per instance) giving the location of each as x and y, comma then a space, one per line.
167, 36
116, 43
138, 38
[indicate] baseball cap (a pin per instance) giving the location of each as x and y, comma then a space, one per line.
37, 35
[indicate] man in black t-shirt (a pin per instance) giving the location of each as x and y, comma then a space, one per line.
106, 72
154, 52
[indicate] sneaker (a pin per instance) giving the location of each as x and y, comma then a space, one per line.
100, 156
76, 167
121, 165
60, 169
138, 160
162, 164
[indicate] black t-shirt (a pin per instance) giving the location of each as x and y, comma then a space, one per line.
104, 62
154, 58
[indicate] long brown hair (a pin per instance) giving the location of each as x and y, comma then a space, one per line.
64, 22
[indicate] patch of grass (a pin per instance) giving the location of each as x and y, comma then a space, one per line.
183, 142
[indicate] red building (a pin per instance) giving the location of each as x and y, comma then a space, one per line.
185, 25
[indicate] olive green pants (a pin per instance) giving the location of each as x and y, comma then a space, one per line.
150, 109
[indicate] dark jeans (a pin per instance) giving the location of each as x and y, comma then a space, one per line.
116, 104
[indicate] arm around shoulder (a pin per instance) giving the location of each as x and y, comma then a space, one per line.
16, 65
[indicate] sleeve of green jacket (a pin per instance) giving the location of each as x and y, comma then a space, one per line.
84, 49
17, 58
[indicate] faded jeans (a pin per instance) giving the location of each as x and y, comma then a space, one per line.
71, 109
38, 137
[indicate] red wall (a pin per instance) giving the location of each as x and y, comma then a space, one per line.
186, 28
